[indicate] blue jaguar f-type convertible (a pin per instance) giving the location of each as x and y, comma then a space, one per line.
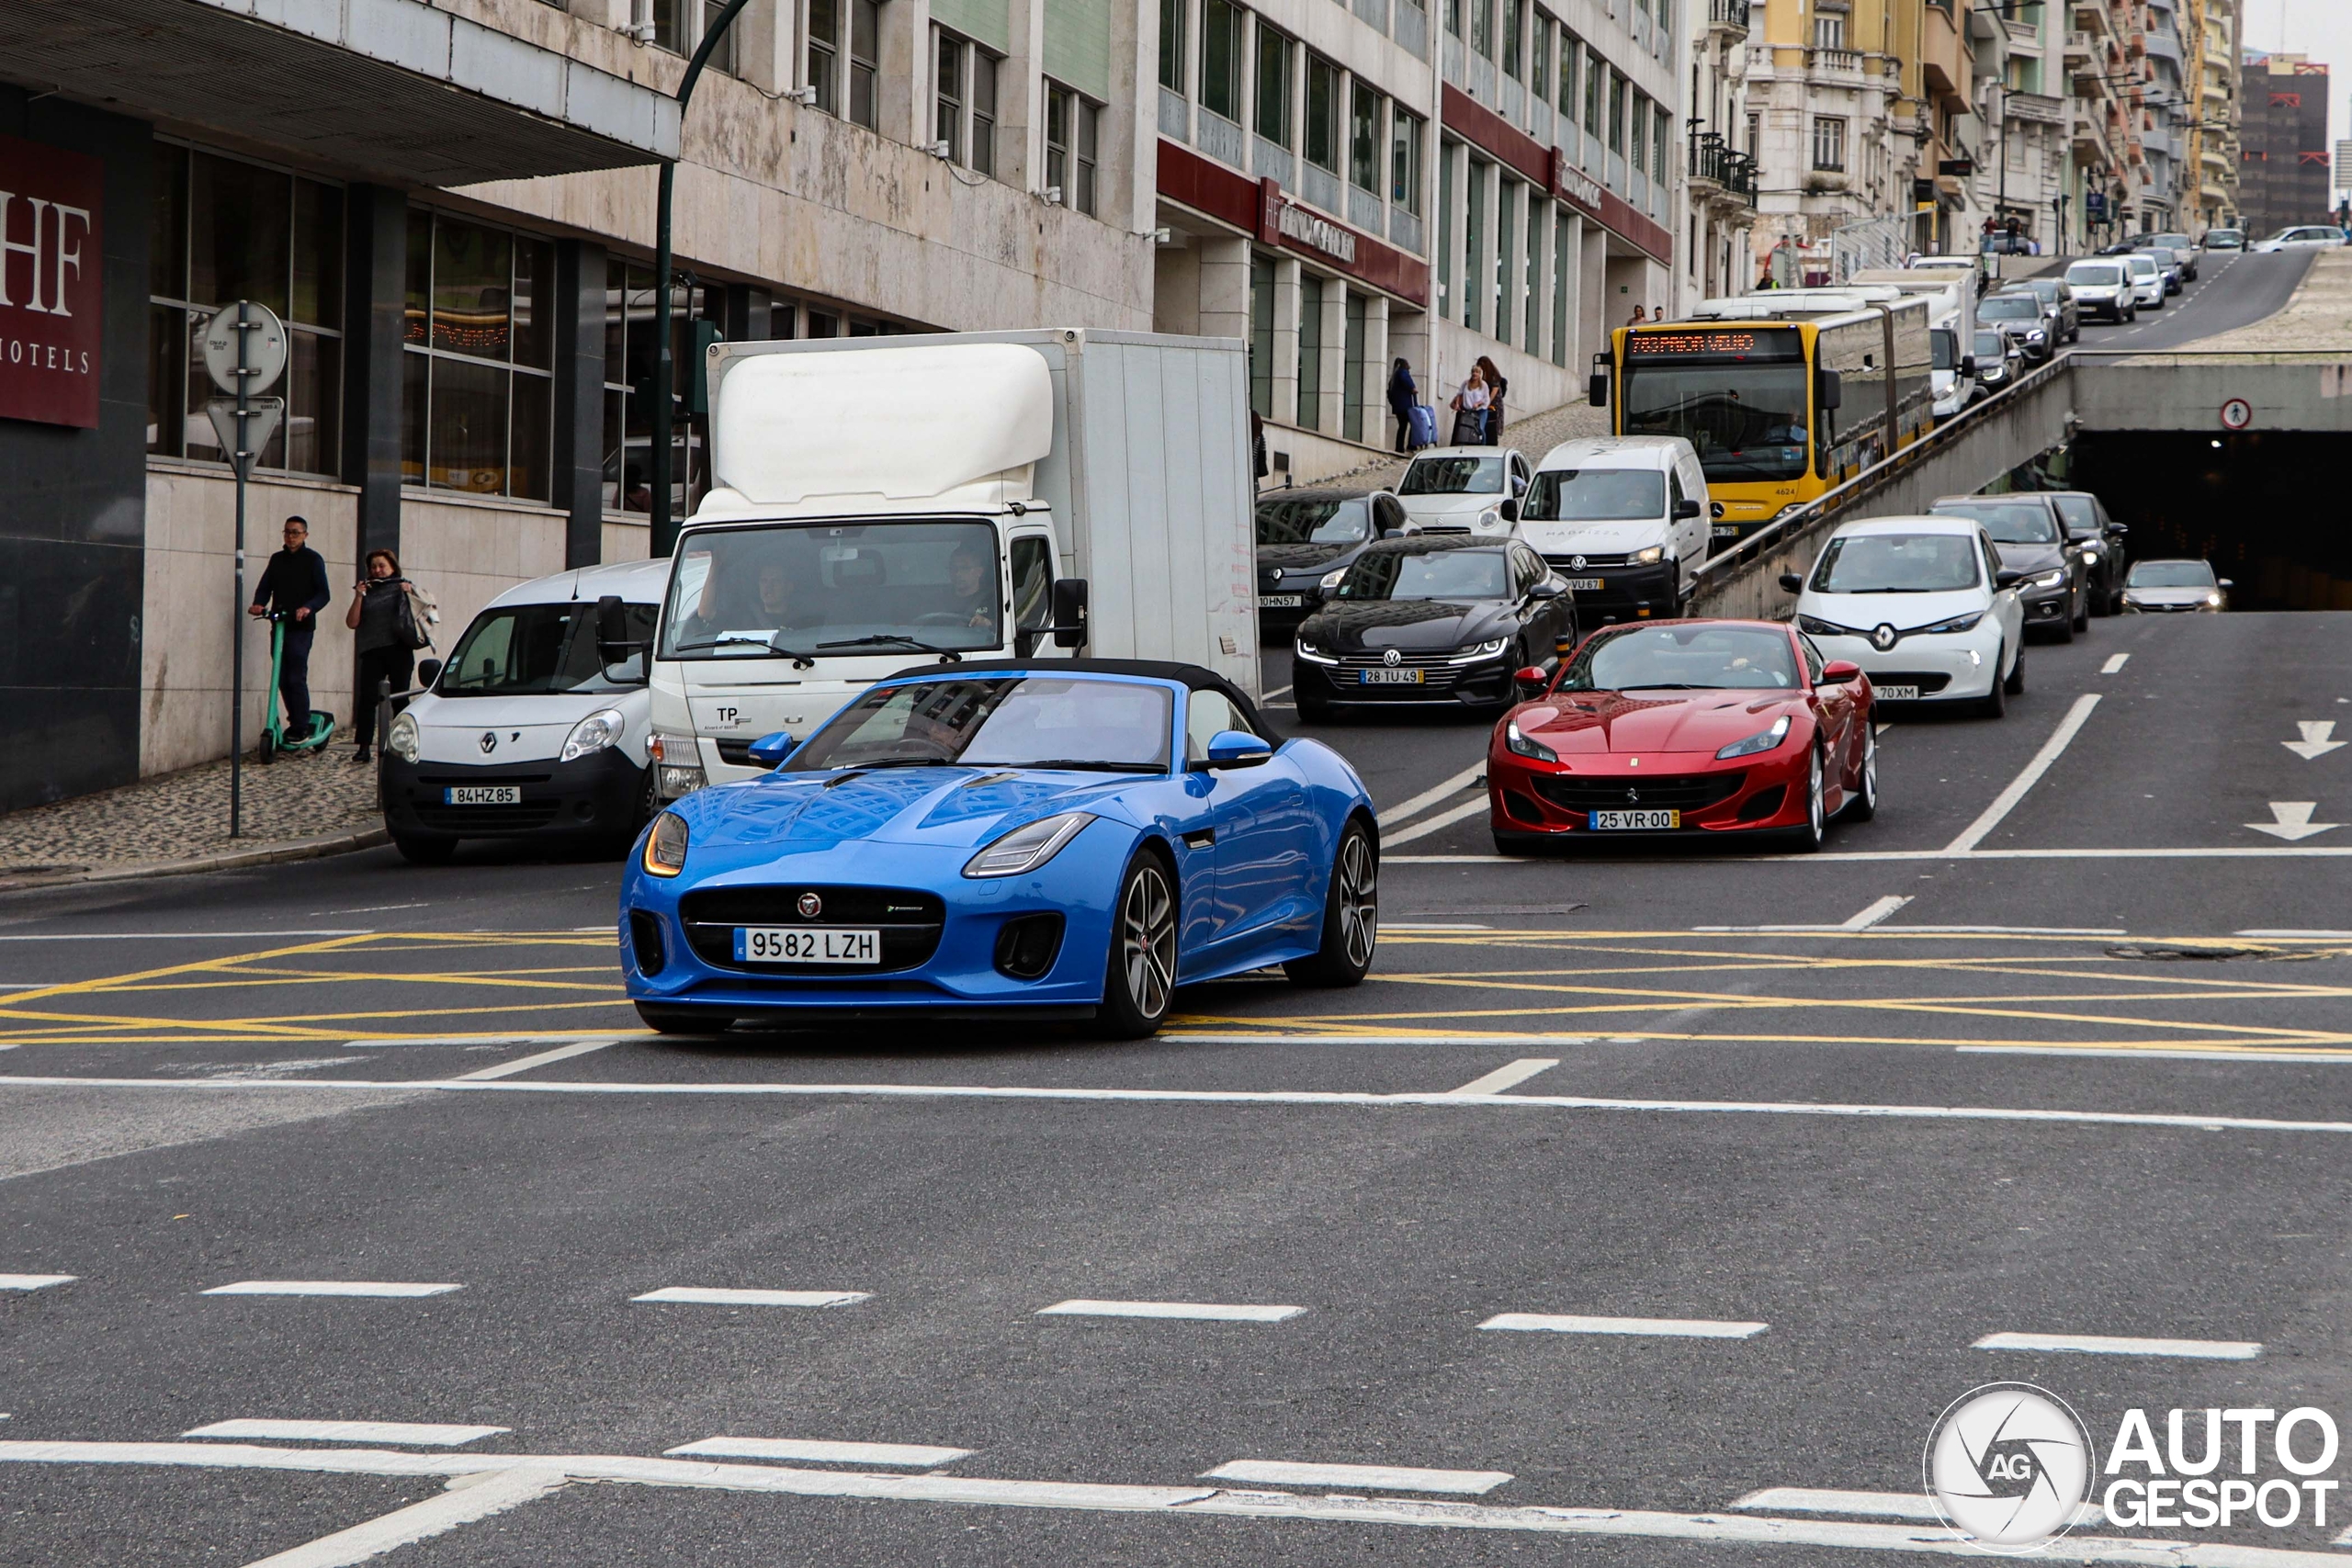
1038, 838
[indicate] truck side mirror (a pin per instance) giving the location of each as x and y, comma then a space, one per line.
1070, 612
1833, 390
1968, 364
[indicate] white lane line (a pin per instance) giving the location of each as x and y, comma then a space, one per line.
34, 1282
1874, 912
1883, 728
1378, 1477
2115, 662
2005, 802
2315, 1057
2318, 936
1277, 691
1206, 1312
404, 1434
494, 1494
523, 1065
390, 1288
1428, 825
1279, 1039
1163, 1501
897, 1456
694, 1295
1508, 1076
185, 936
2111, 1345
1430, 797
384, 1042
1872, 1504
1665, 1327
1345, 1098
1422, 928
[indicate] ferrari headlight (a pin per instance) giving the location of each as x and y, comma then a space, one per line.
665, 847
1957, 624
1312, 654
403, 742
1762, 741
598, 730
2053, 578
1330, 580
1819, 628
1486, 650
1649, 557
1523, 745
1026, 849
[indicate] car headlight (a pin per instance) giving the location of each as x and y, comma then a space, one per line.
1486, 650
1957, 624
1330, 580
1762, 741
1819, 628
1649, 557
1026, 849
2050, 579
678, 764
598, 730
2214, 599
403, 741
665, 847
1312, 654
1489, 520
2036, 335
1520, 745
2090, 558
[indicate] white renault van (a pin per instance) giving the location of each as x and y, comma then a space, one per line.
1625, 519
538, 726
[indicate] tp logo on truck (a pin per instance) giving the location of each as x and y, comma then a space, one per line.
2010, 1465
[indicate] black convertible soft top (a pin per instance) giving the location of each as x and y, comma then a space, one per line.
1192, 676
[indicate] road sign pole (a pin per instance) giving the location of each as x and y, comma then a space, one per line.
237, 611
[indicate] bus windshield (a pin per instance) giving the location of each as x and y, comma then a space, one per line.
1747, 422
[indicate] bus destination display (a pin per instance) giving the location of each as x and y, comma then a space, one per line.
1731, 342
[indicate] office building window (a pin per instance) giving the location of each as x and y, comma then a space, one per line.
1755, 133
1274, 62
1661, 136
223, 229
1357, 371
1310, 351
1072, 128
1322, 114
1537, 210
1482, 27
1616, 113
947, 128
1539, 80
1829, 144
1172, 43
1569, 75
1221, 59
1561, 239
1364, 137
477, 392
865, 60
1261, 335
825, 52
1405, 160
1640, 126
1514, 57
1473, 240
1506, 256
1449, 225
1454, 18
679, 26
1594, 70
964, 115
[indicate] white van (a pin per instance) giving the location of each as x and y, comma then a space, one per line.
1625, 519
537, 727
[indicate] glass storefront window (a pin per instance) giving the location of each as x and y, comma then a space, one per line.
628, 365
476, 387
222, 230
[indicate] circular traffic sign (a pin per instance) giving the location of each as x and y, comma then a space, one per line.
2236, 414
265, 350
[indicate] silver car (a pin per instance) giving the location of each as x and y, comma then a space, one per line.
2160, 587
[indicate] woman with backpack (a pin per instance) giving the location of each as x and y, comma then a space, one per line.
393, 625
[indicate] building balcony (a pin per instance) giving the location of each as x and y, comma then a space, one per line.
1944, 62
1834, 64
1727, 17
2036, 109
1716, 171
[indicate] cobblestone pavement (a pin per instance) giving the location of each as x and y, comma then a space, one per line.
173, 816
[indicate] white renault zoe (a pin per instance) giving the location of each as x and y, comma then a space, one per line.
1924, 606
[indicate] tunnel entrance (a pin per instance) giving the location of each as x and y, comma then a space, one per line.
2267, 509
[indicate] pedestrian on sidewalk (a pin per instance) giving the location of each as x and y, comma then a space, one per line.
1497, 387
1470, 410
1402, 395
294, 584
1641, 315
382, 651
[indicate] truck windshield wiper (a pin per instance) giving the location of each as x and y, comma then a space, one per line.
890, 640
799, 660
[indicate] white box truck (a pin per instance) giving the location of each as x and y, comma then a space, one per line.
878, 503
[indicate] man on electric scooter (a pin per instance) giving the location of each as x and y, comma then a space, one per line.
294, 584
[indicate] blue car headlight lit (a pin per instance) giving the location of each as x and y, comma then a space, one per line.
1762, 741
665, 847
1027, 848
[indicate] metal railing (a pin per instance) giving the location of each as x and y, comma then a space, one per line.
1727, 13
1712, 160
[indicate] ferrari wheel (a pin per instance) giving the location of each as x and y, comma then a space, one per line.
1862, 804
1807, 839
1140, 980
682, 1020
1350, 917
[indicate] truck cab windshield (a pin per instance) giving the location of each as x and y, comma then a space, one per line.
834, 590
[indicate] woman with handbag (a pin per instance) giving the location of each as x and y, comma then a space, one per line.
1470, 410
391, 627
1497, 389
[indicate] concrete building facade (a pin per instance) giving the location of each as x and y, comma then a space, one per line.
2213, 148
2285, 172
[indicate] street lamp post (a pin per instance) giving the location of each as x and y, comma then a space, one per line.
665, 371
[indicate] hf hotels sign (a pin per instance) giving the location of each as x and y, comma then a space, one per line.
51, 273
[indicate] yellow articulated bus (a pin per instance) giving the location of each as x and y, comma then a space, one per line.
1785, 394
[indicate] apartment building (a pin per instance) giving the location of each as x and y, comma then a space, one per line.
2021, 184
1720, 208
2284, 170
2213, 150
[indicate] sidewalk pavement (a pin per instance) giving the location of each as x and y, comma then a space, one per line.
2317, 316
1535, 435
294, 809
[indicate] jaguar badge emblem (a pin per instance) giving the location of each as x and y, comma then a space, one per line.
810, 906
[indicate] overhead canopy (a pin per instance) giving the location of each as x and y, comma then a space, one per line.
391, 90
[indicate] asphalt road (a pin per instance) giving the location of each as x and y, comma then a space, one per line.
2230, 291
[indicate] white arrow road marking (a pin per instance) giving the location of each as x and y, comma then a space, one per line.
2315, 743
2294, 820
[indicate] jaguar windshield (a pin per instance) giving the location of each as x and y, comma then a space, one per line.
1896, 563
1683, 658
1035, 721
827, 590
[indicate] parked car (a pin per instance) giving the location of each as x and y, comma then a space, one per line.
1463, 489
1625, 519
2058, 306
2020, 314
2025, 528
2302, 237
1923, 604
538, 726
1428, 621
2099, 539
1304, 536
2159, 587
2103, 290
